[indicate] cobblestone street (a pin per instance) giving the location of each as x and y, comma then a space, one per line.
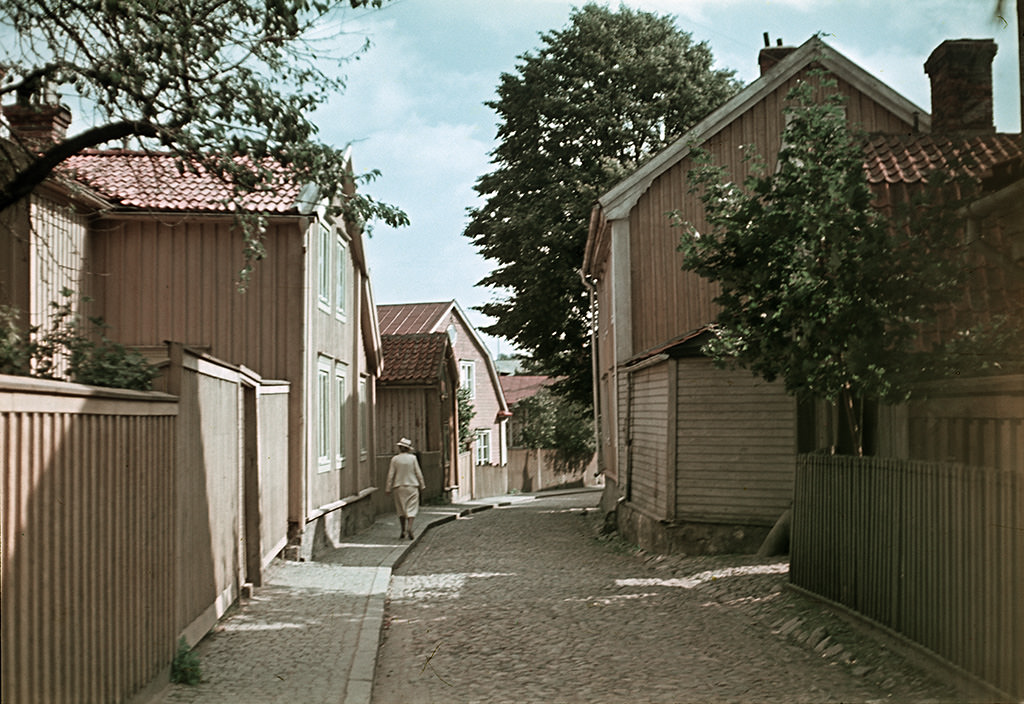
528, 604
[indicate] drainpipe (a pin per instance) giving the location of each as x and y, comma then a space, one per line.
588, 283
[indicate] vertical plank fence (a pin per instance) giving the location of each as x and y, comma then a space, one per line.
88, 540
934, 551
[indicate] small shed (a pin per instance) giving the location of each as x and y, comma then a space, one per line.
416, 399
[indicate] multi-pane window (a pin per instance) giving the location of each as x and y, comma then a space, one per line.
324, 267
483, 446
467, 369
340, 278
323, 413
339, 403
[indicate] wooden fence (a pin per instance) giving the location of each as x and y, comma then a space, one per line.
88, 540
130, 519
534, 470
934, 551
231, 478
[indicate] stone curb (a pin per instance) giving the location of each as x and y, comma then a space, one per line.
359, 689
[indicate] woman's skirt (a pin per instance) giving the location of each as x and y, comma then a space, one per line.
407, 501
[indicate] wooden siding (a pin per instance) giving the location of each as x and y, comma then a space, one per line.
410, 412
88, 540
736, 446
177, 280
934, 551
972, 421
488, 390
667, 301
648, 463
57, 257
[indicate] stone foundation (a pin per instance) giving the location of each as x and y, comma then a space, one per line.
687, 538
325, 532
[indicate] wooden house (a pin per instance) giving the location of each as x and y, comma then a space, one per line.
159, 253
696, 458
416, 399
477, 373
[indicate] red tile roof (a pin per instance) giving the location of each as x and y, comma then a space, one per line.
413, 358
908, 159
154, 181
521, 386
410, 318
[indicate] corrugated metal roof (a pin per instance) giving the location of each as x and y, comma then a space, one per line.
156, 181
411, 318
413, 358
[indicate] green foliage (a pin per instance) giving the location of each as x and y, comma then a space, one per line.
226, 85
588, 107
547, 421
15, 349
466, 413
818, 288
185, 668
90, 357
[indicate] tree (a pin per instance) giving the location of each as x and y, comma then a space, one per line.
466, 412
546, 421
226, 85
596, 100
818, 288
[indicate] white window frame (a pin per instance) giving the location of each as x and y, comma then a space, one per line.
341, 279
467, 370
340, 403
364, 418
482, 446
324, 416
324, 268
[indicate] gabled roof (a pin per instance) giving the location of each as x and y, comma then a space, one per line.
618, 201
412, 318
414, 359
519, 386
155, 182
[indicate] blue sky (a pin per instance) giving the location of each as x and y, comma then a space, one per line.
414, 107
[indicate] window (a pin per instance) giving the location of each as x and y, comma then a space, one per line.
467, 370
339, 402
483, 446
323, 413
364, 418
341, 281
324, 267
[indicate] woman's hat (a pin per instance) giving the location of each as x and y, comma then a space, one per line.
405, 442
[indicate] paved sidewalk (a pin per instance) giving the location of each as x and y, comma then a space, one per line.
311, 632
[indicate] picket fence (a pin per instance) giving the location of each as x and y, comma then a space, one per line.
933, 551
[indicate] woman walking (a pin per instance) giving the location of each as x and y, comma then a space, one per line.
406, 479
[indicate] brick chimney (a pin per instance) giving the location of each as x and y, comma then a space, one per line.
771, 55
38, 118
961, 76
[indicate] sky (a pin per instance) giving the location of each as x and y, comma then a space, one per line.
414, 106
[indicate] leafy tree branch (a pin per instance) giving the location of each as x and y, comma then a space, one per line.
225, 85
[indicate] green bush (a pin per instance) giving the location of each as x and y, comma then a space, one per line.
185, 667
92, 358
